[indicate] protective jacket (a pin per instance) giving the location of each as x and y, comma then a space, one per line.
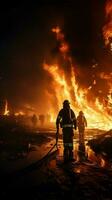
81, 122
67, 121
66, 118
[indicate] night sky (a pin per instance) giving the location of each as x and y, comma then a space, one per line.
26, 40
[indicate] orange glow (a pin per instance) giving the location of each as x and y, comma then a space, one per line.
52, 118
90, 87
59, 35
6, 112
19, 113
103, 162
59, 83
108, 7
107, 29
56, 30
94, 82
65, 86
78, 170
94, 113
64, 48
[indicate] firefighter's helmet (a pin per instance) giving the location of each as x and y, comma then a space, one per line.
81, 113
66, 102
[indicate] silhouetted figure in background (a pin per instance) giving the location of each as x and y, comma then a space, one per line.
67, 121
42, 119
34, 120
81, 124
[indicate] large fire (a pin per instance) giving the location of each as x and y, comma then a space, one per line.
65, 86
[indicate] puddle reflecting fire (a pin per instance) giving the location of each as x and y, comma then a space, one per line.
86, 154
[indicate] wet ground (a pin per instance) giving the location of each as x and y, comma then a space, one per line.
88, 177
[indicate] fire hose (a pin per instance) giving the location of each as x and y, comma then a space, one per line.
28, 169
41, 161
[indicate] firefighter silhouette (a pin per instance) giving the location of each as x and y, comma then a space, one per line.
34, 120
42, 119
66, 120
81, 124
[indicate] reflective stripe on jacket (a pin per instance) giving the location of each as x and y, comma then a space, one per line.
68, 144
67, 126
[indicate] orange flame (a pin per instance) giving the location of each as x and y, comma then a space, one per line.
19, 113
66, 87
102, 163
6, 112
107, 29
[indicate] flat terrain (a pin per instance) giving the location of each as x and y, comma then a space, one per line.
22, 176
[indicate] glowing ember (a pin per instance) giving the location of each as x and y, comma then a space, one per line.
102, 162
94, 82
19, 113
78, 170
